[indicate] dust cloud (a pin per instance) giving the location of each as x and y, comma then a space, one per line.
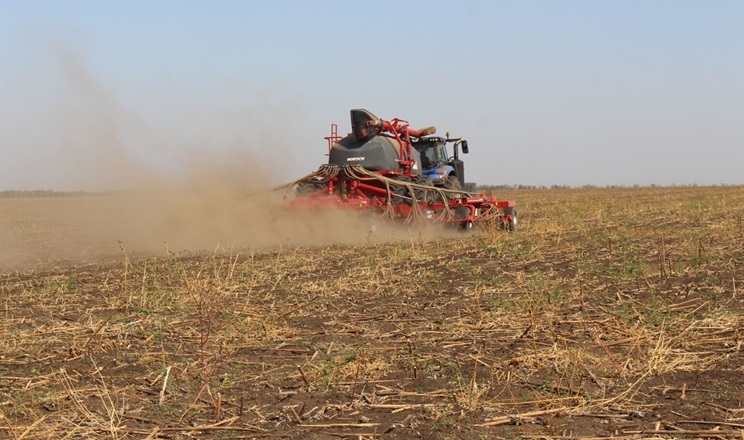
78, 136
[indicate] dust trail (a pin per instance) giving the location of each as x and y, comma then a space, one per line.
88, 140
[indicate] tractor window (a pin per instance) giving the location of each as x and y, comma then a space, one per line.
432, 153
428, 156
442, 153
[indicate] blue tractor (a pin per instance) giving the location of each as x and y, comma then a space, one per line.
444, 171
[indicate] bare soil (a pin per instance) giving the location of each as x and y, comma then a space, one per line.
608, 313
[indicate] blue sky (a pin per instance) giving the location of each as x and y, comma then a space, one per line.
546, 92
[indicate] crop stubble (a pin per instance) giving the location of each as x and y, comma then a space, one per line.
611, 312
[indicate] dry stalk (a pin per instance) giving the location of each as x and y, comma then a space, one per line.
165, 384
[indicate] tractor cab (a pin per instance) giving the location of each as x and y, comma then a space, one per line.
433, 152
436, 162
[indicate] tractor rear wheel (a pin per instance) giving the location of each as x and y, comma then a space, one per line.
452, 183
424, 195
398, 194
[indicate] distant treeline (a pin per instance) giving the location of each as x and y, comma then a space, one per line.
518, 186
11, 194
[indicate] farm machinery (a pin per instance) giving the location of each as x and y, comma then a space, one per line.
401, 173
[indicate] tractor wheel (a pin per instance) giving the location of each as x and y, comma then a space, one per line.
308, 187
511, 223
424, 195
399, 194
470, 187
461, 214
452, 183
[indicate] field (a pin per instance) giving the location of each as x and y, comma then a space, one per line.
608, 313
